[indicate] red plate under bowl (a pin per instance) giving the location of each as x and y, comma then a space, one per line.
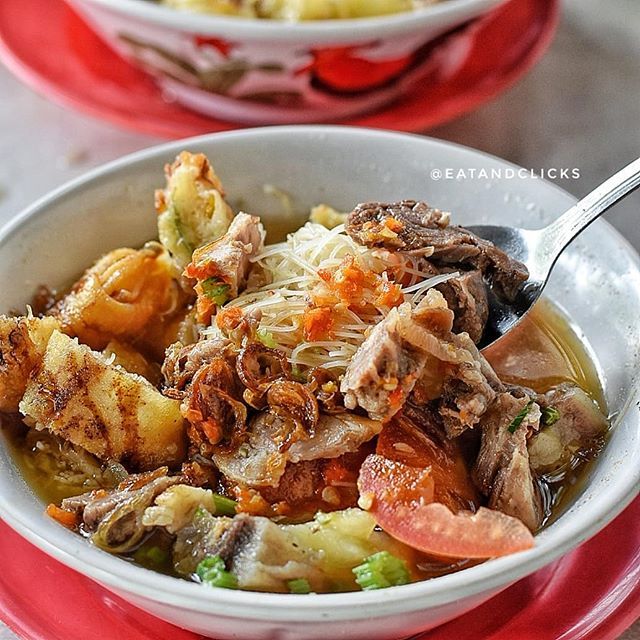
592, 593
51, 49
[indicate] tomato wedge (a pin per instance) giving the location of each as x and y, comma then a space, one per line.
401, 440
400, 499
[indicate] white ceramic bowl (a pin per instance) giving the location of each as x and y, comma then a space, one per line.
597, 282
271, 72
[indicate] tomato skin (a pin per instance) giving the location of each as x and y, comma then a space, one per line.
394, 483
398, 497
401, 440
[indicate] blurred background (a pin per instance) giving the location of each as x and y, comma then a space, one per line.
579, 107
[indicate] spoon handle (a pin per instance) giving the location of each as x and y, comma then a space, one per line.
561, 232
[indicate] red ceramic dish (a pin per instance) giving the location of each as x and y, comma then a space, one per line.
68, 63
590, 594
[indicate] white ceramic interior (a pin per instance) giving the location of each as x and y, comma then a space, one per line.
597, 282
163, 35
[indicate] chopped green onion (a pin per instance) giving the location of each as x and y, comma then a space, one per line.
182, 239
381, 570
212, 571
267, 339
297, 374
224, 506
215, 290
550, 416
517, 421
200, 513
300, 585
155, 556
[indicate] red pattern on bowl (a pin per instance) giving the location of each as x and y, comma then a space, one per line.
262, 79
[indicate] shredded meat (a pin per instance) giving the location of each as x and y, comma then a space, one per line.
418, 228
502, 470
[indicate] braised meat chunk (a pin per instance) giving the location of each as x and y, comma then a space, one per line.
385, 368
468, 388
222, 267
415, 354
466, 296
502, 471
416, 227
404, 226
572, 426
114, 518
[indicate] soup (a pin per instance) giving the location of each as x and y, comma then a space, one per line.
306, 416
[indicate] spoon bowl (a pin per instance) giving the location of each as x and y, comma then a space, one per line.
540, 249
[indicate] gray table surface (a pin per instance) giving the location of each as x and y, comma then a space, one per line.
580, 107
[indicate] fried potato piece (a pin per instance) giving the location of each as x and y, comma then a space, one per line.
126, 293
133, 361
191, 209
22, 344
102, 408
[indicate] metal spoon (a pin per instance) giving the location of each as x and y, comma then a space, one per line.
540, 249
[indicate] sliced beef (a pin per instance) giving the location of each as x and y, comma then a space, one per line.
334, 436
416, 227
575, 428
502, 470
258, 461
405, 226
416, 355
228, 259
261, 460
